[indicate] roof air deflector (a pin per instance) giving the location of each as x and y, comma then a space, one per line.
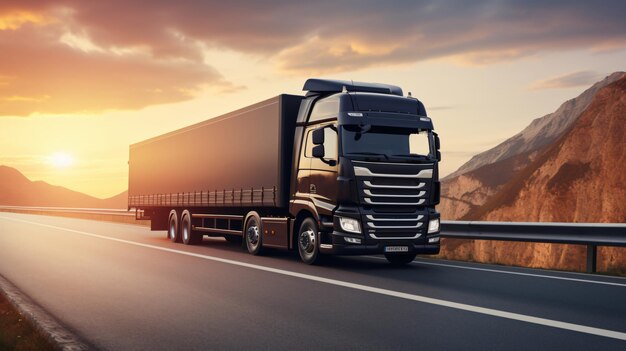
318, 86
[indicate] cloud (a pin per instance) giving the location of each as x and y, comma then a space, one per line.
12, 20
51, 77
570, 80
485, 33
138, 50
45, 70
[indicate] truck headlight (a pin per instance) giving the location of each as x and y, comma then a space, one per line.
433, 225
350, 225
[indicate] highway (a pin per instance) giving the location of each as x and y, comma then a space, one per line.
123, 287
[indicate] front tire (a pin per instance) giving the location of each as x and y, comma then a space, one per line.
400, 259
308, 241
252, 234
188, 235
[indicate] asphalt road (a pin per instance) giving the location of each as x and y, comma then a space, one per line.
122, 287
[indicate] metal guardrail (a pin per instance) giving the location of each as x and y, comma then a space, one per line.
590, 234
98, 211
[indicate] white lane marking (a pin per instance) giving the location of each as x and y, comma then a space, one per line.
509, 272
444, 303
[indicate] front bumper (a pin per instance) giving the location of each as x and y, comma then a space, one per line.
339, 246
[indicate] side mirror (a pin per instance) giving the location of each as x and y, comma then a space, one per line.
318, 136
437, 142
318, 150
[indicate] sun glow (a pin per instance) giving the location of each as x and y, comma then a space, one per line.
16, 19
61, 160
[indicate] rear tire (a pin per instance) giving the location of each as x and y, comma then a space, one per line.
400, 259
308, 242
173, 232
253, 234
188, 235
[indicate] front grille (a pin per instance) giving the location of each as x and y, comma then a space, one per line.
394, 185
377, 192
394, 222
394, 198
395, 226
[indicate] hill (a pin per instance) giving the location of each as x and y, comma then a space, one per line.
17, 190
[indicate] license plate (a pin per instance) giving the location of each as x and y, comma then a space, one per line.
396, 248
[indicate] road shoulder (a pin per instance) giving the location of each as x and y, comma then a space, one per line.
43, 322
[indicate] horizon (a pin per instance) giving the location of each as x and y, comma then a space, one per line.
62, 160
81, 84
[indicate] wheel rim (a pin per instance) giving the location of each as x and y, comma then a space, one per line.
307, 241
185, 232
172, 230
253, 235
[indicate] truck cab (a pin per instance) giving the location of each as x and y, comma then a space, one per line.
365, 177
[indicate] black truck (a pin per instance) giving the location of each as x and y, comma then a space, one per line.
349, 168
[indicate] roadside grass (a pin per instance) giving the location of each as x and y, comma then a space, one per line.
17, 333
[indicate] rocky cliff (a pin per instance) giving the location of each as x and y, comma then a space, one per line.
541, 132
468, 188
578, 177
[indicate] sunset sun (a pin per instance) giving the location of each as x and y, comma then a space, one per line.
61, 160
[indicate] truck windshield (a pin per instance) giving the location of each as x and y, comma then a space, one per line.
385, 141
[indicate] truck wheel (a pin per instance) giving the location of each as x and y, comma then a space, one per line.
189, 237
253, 237
174, 230
308, 241
400, 259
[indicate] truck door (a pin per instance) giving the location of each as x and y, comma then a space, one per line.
323, 174
304, 168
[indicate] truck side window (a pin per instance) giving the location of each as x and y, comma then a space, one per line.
325, 108
330, 144
308, 151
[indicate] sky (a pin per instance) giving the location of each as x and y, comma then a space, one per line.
82, 80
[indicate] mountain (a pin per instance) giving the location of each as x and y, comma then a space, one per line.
541, 131
580, 176
17, 190
468, 188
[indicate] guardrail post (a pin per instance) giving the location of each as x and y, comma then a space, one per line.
592, 255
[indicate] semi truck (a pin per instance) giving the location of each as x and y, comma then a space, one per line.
349, 168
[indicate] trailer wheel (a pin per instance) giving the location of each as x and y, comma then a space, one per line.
253, 237
173, 232
400, 259
188, 235
308, 241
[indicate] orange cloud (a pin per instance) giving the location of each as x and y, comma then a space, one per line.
46, 68
15, 19
118, 54
569, 80
48, 76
